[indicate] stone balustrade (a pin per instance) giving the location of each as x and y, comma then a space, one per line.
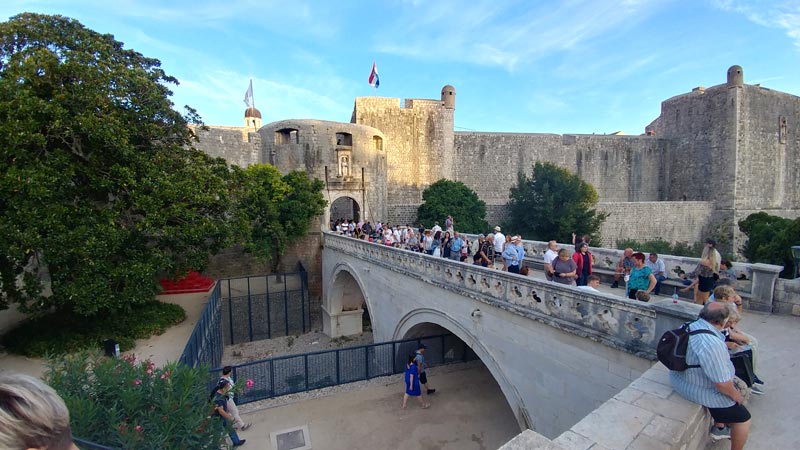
624, 324
756, 281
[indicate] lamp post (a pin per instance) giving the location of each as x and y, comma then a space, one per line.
796, 258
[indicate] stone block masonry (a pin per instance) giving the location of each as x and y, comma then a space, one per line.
647, 221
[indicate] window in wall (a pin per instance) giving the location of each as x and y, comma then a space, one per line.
344, 139
378, 142
782, 130
287, 136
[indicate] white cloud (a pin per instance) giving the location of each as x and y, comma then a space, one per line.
507, 34
773, 14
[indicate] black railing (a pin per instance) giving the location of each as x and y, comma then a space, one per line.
264, 306
204, 346
290, 374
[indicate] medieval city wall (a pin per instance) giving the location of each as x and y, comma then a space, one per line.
230, 143
649, 221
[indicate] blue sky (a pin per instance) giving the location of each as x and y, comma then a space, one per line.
573, 66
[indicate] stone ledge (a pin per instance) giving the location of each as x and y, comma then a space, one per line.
648, 414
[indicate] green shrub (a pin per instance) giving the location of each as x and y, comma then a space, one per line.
63, 332
769, 240
126, 404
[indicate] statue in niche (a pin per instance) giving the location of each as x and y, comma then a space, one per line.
344, 166
782, 130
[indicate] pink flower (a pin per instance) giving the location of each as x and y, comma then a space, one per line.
138, 428
149, 371
166, 375
250, 383
137, 382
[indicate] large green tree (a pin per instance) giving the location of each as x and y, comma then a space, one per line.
769, 240
100, 190
453, 198
553, 203
278, 208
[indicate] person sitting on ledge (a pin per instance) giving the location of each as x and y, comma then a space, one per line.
711, 383
624, 266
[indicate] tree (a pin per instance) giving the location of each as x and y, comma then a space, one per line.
277, 208
769, 240
100, 191
453, 198
553, 203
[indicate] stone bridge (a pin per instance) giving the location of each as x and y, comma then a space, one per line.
557, 352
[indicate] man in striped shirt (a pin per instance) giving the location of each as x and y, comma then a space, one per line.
711, 384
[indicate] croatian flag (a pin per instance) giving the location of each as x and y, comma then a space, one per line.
373, 77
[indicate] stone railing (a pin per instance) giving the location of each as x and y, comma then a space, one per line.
756, 281
624, 324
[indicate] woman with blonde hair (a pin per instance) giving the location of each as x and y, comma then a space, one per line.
32, 415
706, 274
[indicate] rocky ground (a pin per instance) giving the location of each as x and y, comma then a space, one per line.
289, 345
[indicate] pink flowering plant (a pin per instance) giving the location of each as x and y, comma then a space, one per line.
126, 403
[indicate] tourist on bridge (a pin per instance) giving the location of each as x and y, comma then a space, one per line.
411, 377
486, 250
549, 256
641, 278
565, 271
514, 254
711, 382
456, 245
584, 262
624, 266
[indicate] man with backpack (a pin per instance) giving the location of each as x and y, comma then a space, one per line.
708, 376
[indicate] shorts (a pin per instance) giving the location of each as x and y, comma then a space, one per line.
423, 378
705, 284
732, 414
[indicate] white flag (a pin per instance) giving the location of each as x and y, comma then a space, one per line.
248, 96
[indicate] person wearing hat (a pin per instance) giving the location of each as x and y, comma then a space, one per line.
419, 359
514, 254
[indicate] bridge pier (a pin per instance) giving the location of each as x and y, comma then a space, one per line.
343, 323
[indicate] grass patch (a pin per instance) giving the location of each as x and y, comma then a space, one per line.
63, 332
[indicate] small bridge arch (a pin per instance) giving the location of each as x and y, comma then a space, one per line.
422, 316
344, 300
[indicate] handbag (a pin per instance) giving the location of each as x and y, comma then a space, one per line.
743, 365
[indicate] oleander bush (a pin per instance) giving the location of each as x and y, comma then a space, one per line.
64, 332
125, 403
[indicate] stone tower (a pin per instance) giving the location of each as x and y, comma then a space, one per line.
735, 76
252, 119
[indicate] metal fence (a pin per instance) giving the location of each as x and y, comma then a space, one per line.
289, 374
265, 306
205, 344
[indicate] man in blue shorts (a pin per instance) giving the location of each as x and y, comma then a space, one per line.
423, 376
711, 384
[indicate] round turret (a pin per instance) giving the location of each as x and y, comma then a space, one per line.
252, 118
735, 76
449, 97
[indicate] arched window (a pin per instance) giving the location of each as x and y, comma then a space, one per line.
378, 141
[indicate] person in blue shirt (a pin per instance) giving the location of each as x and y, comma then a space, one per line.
455, 247
513, 254
411, 377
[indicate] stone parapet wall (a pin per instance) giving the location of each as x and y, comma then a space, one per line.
647, 221
787, 297
648, 414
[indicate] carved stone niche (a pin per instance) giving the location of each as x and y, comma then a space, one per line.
782, 130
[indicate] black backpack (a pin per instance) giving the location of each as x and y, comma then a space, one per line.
671, 349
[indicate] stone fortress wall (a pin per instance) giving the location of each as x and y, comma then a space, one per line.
712, 157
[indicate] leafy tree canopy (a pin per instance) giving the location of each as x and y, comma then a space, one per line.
769, 240
553, 203
453, 198
100, 191
277, 208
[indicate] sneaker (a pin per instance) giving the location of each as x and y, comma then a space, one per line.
431, 391
756, 389
720, 434
757, 380
615, 284
246, 426
241, 442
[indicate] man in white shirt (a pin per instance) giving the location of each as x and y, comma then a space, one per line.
499, 242
549, 256
591, 284
436, 227
656, 266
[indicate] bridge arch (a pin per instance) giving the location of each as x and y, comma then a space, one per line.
427, 315
344, 302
